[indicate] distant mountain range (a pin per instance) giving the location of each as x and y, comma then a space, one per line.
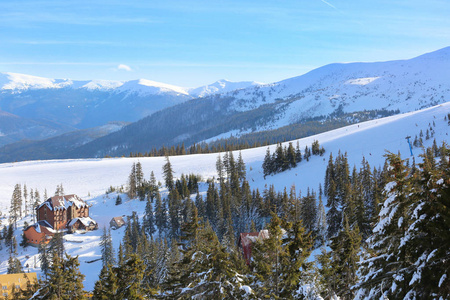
84, 104
225, 108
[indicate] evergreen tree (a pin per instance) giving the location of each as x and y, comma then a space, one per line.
64, 280
168, 174
160, 215
107, 250
267, 164
149, 219
386, 268
205, 271
44, 258
59, 190
321, 223
14, 265
118, 200
241, 169
345, 258
411, 242
56, 245
132, 184
139, 174
25, 198
290, 156
15, 211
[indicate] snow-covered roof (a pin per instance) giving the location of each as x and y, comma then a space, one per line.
64, 202
42, 226
86, 221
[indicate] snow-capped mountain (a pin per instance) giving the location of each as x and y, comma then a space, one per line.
404, 85
332, 91
221, 86
91, 103
20, 83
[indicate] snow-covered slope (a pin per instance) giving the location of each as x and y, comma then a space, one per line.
90, 178
221, 86
406, 85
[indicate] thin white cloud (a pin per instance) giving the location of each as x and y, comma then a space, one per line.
329, 4
124, 67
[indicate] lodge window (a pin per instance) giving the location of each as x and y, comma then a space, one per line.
4, 287
17, 286
5, 294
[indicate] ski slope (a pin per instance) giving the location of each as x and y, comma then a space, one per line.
90, 178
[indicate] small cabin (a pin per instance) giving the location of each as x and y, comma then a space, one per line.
82, 224
116, 222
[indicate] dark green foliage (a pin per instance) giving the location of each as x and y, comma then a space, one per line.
285, 158
205, 271
149, 223
279, 260
64, 280
118, 200
410, 242
15, 211
345, 247
168, 174
108, 256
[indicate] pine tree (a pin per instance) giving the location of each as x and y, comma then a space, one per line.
59, 190
411, 242
160, 215
321, 223
168, 175
241, 169
107, 250
309, 212
268, 256
139, 174
56, 245
205, 271
345, 259
384, 272
106, 286
25, 198
149, 219
64, 280
15, 211
267, 164
290, 156
118, 200
44, 258
132, 184
295, 270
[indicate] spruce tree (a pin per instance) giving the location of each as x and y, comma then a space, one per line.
107, 250
15, 211
168, 174
132, 184
64, 280
149, 219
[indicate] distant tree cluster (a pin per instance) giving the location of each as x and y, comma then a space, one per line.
285, 158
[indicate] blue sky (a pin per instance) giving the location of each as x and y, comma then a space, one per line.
192, 43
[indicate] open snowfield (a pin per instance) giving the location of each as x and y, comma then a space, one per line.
90, 178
